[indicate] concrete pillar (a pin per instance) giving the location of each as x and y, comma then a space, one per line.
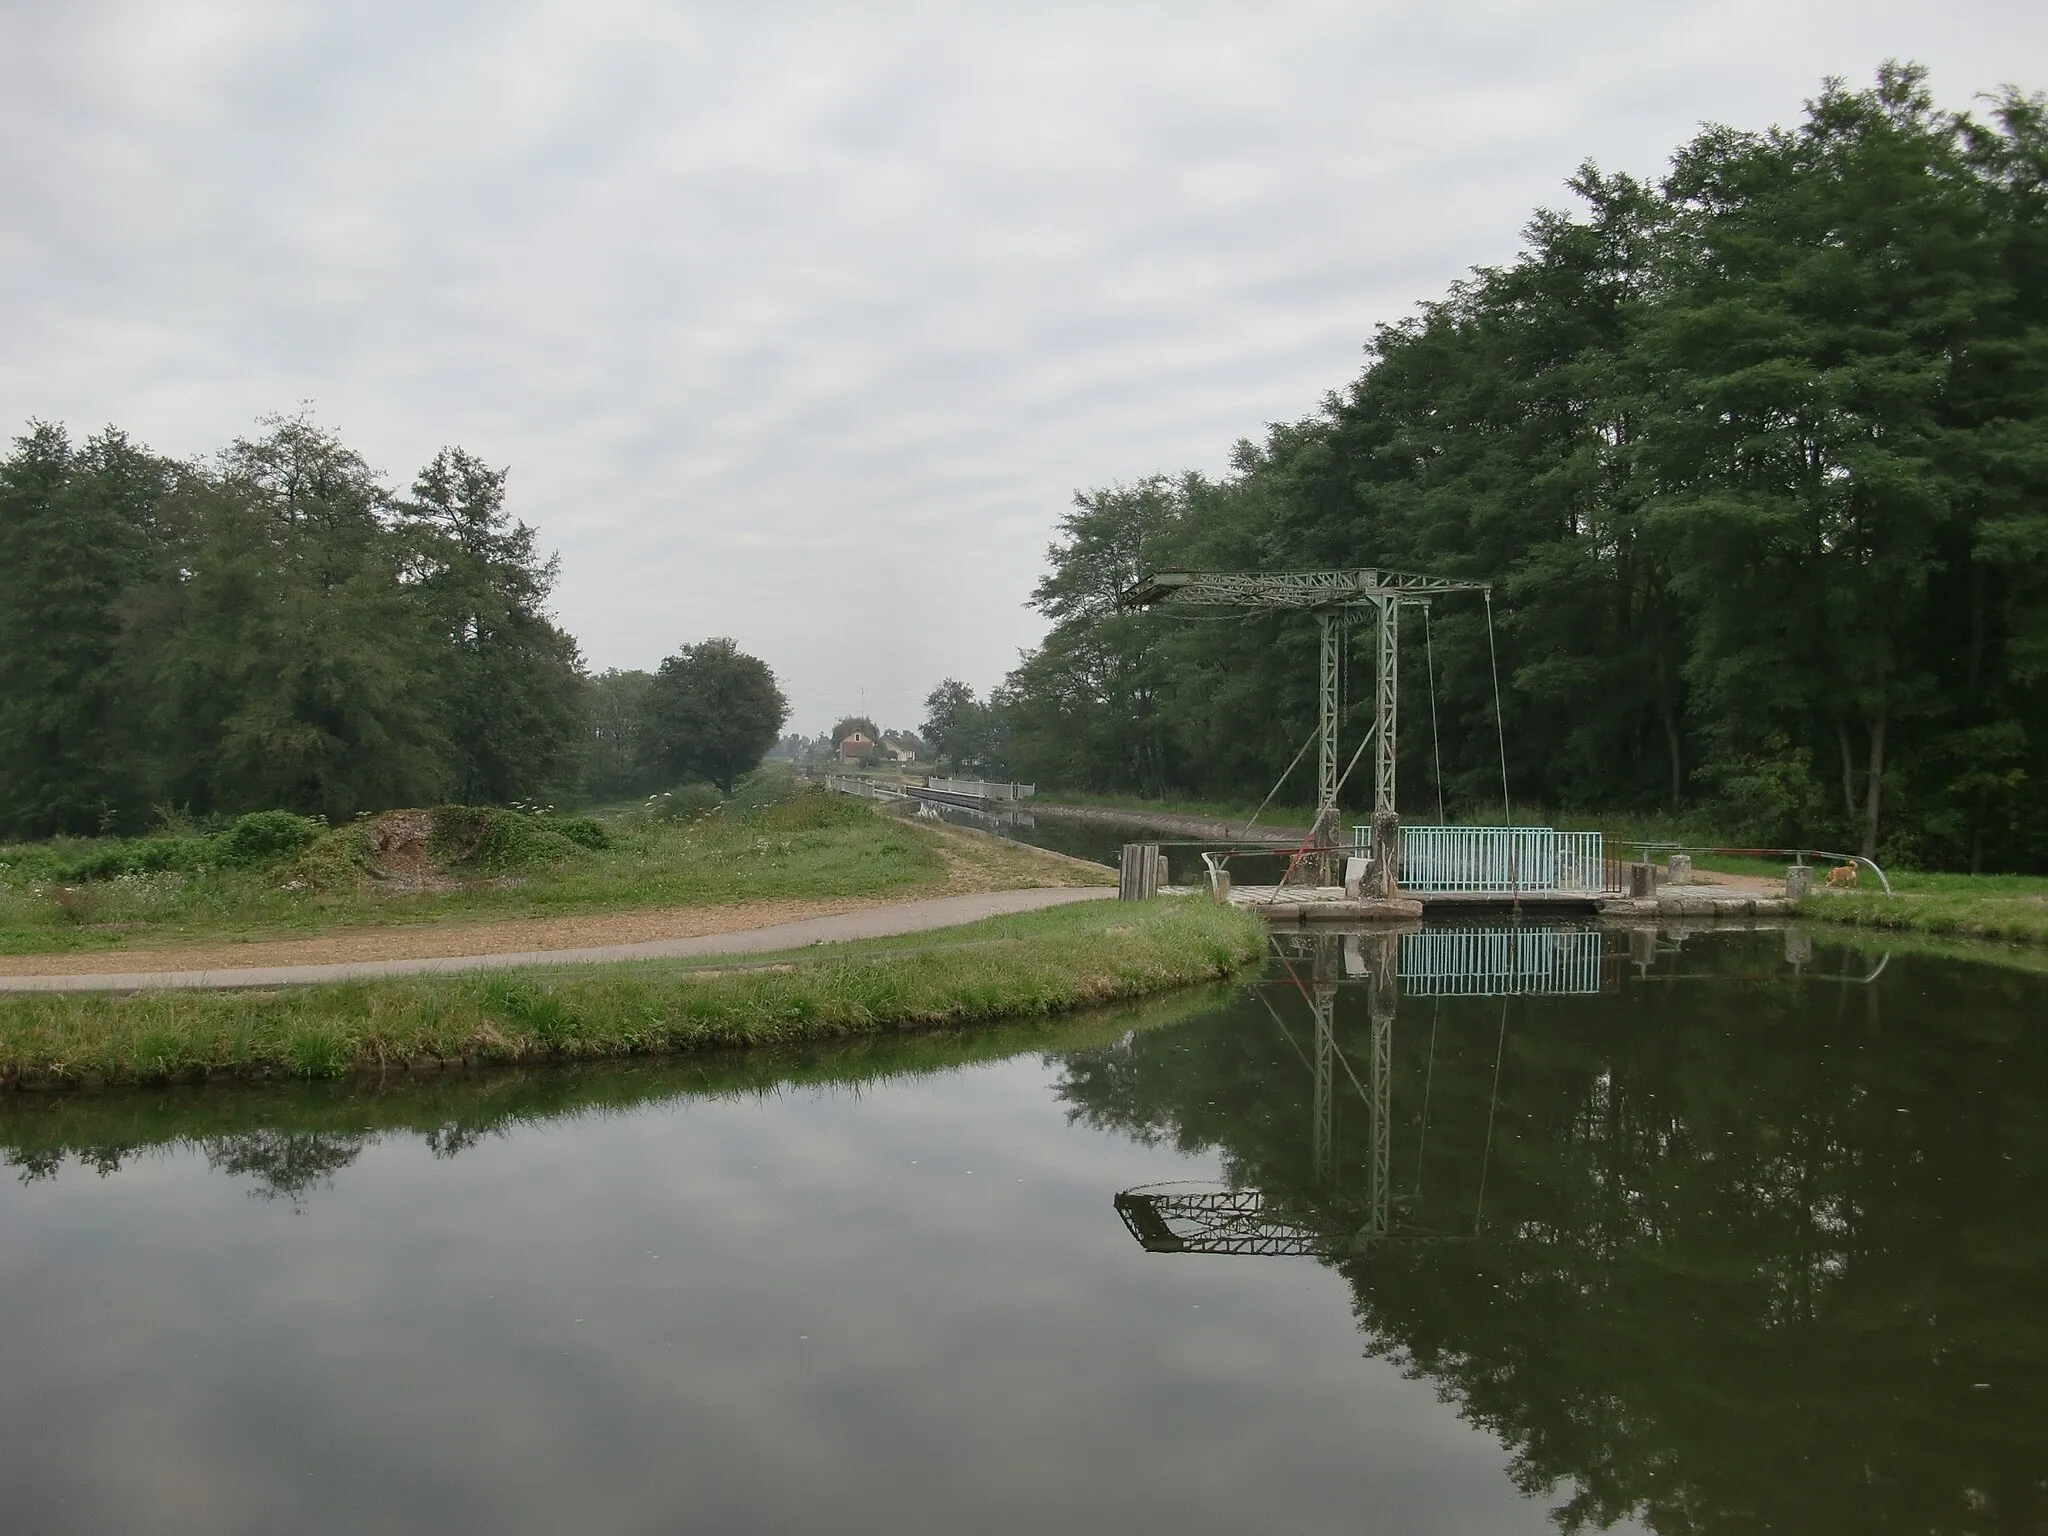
1383, 880
1799, 882
1323, 835
1681, 869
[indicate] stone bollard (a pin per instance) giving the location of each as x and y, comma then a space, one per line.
1355, 871
1799, 882
1642, 880
1681, 869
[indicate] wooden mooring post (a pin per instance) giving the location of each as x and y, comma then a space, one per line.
1142, 872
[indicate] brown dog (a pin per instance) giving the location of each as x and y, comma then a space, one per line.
1841, 877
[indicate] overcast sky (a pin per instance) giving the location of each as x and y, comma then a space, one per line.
802, 323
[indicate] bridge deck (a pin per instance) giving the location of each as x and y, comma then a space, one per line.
1330, 900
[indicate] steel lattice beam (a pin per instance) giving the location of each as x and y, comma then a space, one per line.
1327, 594
1284, 589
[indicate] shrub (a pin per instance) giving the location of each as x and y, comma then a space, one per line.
496, 841
266, 837
580, 830
810, 807
141, 856
685, 803
332, 861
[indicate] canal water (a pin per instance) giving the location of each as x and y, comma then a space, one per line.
1101, 842
1472, 1231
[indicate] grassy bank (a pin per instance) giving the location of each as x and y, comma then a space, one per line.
287, 1135
2012, 909
1033, 965
464, 864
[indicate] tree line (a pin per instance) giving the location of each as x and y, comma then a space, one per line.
279, 628
1754, 457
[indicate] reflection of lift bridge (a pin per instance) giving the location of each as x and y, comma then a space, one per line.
1177, 1219
1500, 962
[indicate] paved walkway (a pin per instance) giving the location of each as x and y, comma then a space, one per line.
871, 923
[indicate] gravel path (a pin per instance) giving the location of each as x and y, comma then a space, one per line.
871, 922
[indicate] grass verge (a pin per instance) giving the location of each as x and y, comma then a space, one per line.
1033, 965
2009, 909
287, 1135
809, 844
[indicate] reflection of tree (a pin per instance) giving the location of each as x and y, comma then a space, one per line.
447, 1140
1745, 1251
287, 1163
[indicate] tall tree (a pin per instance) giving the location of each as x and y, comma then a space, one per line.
76, 529
715, 712
301, 669
622, 759
514, 703
1832, 279
964, 733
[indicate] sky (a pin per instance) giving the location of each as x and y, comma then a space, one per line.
804, 323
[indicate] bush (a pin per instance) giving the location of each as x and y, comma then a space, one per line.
333, 861
685, 803
266, 837
769, 786
141, 856
809, 808
580, 830
496, 841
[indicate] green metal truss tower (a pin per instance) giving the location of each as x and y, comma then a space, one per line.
1332, 596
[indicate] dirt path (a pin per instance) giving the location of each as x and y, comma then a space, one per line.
504, 936
825, 922
975, 863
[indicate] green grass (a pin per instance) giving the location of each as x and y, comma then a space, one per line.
40, 1132
813, 845
2012, 909
1033, 965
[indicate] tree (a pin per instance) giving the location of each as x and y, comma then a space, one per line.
1753, 458
298, 667
962, 731
1833, 288
75, 538
622, 761
714, 713
513, 681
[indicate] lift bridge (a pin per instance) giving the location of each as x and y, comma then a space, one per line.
1495, 961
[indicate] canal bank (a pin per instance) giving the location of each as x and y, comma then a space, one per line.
1511, 1262
1031, 964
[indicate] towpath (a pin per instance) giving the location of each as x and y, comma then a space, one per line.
866, 922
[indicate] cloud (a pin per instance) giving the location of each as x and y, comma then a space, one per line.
801, 324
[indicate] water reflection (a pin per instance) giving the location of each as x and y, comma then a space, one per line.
290, 1140
1714, 1232
1740, 1238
